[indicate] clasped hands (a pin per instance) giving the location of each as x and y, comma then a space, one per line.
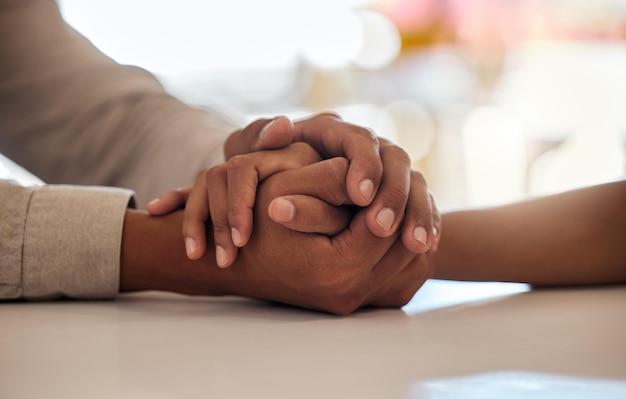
318, 213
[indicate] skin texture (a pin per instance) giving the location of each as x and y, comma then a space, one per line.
226, 193
573, 238
337, 266
337, 274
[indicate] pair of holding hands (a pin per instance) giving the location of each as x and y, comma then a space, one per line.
340, 219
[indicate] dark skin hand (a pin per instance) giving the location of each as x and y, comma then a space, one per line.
567, 239
226, 193
574, 238
337, 274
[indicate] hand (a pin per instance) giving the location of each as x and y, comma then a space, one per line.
340, 273
378, 176
305, 213
226, 193
337, 274
328, 133
422, 219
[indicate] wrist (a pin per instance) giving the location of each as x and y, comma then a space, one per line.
153, 258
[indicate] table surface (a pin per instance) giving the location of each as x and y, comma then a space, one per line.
453, 340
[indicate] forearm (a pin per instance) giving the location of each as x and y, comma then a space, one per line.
153, 258
577, 237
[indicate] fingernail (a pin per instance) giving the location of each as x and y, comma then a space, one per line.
420, 234
190, 246
236, 235
221, 256
385, 218
283, 210
265, 129
366, 187
154, 201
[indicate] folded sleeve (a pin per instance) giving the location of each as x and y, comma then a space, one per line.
60, 241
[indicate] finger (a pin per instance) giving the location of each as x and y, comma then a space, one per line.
387, 284
418, 230
309, 214
392, 264
332, 137
195, 218
386, 212
342, 279
168, 202
324, 180
359, 244
260, 134
216, 202
399, 290
278, 133
437, 224
244, 174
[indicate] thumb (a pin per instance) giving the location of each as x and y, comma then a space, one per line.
262, 134
278, 133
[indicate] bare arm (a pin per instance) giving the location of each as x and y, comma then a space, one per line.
573, 238
337, 274
153, 258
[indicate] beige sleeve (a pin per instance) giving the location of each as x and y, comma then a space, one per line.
71, 115
60, 241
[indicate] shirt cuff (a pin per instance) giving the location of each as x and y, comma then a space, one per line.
72, 242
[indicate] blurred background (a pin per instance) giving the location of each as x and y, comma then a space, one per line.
495, 100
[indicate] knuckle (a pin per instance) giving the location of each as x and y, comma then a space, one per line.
395, 196
342, 300
345, 305
374, 164
368, 135
237, 212
306, 153
336, 278
398, 192
398, 153
336, 171
215, 173
338, 166
202, 175
355, 132
418, 272
405, 296
418, 179
384, 142
329, 114
234, 209
220, 227
237, 163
